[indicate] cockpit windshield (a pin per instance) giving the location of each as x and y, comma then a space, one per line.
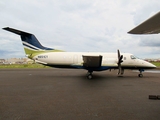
133, 57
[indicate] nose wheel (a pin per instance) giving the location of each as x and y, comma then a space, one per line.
140, 74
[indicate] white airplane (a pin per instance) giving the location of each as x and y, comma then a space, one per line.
91, 61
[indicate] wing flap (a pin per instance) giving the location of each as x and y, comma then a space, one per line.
150, 26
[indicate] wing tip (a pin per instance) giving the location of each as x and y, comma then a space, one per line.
6, 28
19, 32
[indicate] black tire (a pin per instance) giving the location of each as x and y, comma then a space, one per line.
89, 76
140, 75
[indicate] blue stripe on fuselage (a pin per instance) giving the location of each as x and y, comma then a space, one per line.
93, 69
32, 40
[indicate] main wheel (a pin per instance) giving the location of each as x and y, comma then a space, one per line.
90, 76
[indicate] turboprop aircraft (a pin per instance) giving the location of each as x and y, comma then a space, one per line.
91, 61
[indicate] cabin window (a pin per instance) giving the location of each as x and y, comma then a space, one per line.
124, 58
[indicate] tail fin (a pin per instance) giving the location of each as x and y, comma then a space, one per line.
30, 42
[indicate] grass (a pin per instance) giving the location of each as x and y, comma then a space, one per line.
156, 64
23, 66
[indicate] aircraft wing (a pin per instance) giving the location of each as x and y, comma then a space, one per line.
92, 61
150, 26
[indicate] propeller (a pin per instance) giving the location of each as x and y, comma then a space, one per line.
120, 57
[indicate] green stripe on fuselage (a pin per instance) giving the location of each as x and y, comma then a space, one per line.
31, 53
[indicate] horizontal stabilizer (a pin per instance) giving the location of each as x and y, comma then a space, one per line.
40, 62
150, 26
18, 32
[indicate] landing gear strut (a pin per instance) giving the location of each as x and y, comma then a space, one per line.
121, 72
89, 75
140, 74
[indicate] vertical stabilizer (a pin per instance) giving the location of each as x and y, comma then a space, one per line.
30, 42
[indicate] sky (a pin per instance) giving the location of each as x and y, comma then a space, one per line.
79, 25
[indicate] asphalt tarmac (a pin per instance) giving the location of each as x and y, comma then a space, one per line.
65, 94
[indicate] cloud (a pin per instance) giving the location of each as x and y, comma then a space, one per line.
150, 41
79, 25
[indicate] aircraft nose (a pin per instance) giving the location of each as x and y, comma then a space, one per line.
154, 66
150, 65
147, 64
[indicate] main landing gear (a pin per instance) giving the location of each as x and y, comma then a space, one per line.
89, 75
140, 74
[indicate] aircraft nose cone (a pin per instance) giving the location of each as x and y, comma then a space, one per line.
148, 65
152, 66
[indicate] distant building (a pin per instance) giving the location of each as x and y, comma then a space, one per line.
2, 61
16, 61
153, 60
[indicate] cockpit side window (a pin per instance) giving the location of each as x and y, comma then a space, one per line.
133, 57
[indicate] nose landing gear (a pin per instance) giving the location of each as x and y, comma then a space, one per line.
140, 74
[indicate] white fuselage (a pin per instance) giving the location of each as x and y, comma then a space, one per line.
76, 59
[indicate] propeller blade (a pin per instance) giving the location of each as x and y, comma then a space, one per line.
118, 54
120, 57
119, 69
